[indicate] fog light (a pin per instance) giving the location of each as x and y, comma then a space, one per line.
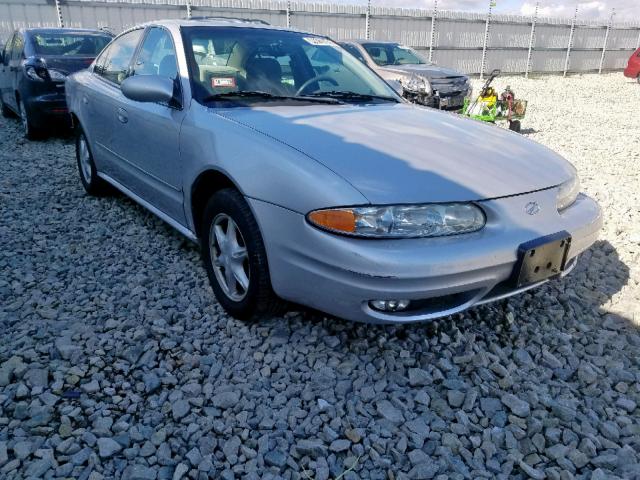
389, 305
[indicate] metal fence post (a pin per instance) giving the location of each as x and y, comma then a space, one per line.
59, 14
367, 21
288, 14
570, 44
486, 40
606, 39
188, 8
433, 29
531, 39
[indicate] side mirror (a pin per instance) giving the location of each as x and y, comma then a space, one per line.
148, 88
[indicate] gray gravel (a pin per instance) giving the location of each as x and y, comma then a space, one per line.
116, 361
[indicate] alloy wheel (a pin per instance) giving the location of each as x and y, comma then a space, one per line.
229, 257
85, 158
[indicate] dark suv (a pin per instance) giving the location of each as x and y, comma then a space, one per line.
34, 65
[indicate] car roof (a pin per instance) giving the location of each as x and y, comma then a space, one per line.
380, 42
64, 30
219, 22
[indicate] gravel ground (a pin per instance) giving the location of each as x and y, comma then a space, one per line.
116, 361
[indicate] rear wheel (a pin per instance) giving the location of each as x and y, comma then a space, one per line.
514, 126
30, 132
92, 184
235, 258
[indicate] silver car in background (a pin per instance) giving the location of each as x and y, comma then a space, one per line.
305, 178
415, 78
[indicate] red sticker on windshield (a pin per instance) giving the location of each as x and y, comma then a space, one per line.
223, 82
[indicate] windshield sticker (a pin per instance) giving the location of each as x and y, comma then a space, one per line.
223, 82
318, 41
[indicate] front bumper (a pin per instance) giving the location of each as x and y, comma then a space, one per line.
49, 110
340, 275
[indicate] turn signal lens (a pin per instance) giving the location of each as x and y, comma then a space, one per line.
338, 220
401, 221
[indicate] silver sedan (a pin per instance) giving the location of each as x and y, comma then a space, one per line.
306, 179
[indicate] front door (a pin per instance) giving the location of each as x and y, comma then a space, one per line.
147, 135
101, 100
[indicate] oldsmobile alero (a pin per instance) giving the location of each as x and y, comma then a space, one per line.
305, 178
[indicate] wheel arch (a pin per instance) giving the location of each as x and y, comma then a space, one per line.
203, 187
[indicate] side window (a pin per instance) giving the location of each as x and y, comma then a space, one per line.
354, 51
101, 61
17, 47
7, 50
118, 58
157, 56
378, 54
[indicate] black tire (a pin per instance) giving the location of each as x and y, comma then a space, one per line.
6, 111
30, 132
91, 182
258, 298
515, 126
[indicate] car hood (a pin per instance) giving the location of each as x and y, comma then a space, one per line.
425, 70
405, 154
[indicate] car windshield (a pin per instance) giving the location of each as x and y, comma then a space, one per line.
260, 65
69, 44
385, 54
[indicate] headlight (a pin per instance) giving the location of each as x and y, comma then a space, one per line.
35, 73
401, 221
568, 193
418, 85
57, 76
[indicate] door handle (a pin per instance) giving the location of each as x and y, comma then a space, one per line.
85, 100
122, 115
13, 69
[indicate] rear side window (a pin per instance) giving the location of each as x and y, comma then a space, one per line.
157, 56
114, 65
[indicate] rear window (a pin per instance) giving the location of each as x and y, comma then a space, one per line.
69, 44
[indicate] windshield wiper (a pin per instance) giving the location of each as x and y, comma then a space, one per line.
358, 97
267, 96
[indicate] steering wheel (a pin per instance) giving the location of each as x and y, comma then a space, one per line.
319, 78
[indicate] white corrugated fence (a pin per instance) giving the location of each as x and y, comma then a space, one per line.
464, 41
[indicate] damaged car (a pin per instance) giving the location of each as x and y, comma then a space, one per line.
415, 78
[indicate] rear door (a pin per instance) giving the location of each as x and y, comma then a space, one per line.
5, 74
147, 134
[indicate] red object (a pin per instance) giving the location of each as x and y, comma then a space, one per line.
633, 67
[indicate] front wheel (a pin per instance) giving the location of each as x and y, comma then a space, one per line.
6, 112
235, 258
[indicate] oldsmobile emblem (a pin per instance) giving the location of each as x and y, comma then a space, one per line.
532, 208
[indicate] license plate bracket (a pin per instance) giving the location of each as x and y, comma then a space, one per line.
541, 259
